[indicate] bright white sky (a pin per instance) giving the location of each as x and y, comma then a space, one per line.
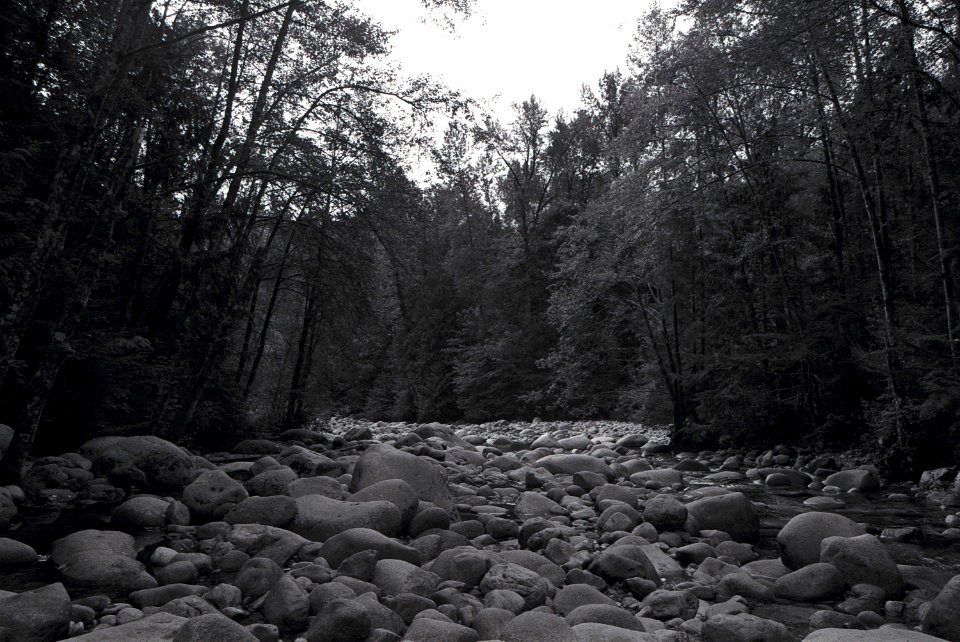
509, 49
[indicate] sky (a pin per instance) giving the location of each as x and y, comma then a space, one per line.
508, 49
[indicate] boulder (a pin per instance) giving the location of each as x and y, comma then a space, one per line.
394, 577
532, 504
535, 626
812, 583
568, 464
594, 632
862, 560
430, 630
102, 561
383, 462
161, 463
319, 518
271, 482
319, 485
213, 493
858, 479
941, 618
142, 511
286, 605
666, 605
570, 597
397, 492
665, 513
278, 510
341, 546
159, 626
533, 588
604, 614
799, 540
743, 627
211, 626
13, 552
874, 635
732, 513
619, 563
42, 614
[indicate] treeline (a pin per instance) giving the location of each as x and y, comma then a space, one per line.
208, 229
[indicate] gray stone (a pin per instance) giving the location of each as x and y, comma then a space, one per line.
430, 630
162, 464
744, 628
942, 617
153, 628
394, 576
320, 518
213, 493
397, 492
799, 540
382, 462
286, 605
874, 635
811, 583
535, 626
666, 605
271, 482
13, 552
570, 597
665, 513
42, 614
341, 546
212, 626
102, 561
568, 464
142, 511
861, 480
533, 588
862, 560
278, 510
732, 513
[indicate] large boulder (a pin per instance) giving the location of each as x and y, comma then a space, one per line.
812, 583
665, 513
211, 626
102, 561
623, 562
538, 627
799, 539
162, 464
529, 585
42, 614
213, 494
355, 540
159, 626
743, 627
732, 513
858, 479
863, 560
319, 517
397, 492
942, 618
425, 476
568, 464
278, 510
873, 635
142, 511
394, 577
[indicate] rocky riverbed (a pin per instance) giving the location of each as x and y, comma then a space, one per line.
568, 531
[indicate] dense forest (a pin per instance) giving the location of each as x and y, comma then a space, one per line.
209, 228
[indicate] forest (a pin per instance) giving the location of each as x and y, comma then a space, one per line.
210, 228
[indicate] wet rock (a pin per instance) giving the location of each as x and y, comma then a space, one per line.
732, 513
42, 614
665, 477
319, 518
941, 618
163, 594
101, 560
533, 504
799, 540
862, 559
